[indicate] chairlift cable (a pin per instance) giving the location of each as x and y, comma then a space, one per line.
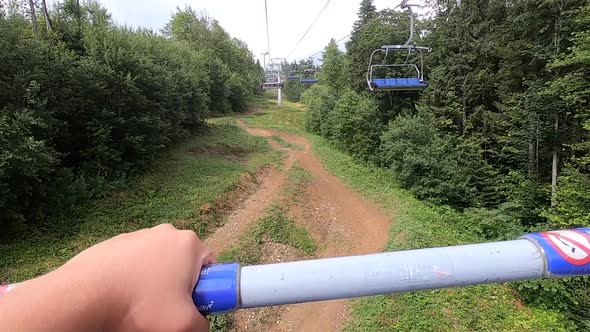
359, 29
350, 34
310, 27
267, 27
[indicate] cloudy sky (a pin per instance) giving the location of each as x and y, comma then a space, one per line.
245, 20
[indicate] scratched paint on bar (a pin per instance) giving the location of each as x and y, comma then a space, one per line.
567, 252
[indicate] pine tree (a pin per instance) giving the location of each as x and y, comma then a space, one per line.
357, 52
366, 13
334, 68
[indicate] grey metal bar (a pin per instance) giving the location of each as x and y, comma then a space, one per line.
405, 47
400, 65
395, 272
412, 20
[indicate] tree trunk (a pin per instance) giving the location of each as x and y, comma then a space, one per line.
533, 142
532, 156
34, 19
464, 117
537, 151
575, 137
46, 15
555, 168
464, 113
557, 144
79, 16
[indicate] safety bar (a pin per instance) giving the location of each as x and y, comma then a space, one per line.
556, 254
228, 287
396, 65
406, 47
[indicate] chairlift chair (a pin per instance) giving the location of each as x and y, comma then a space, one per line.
407, 76
292, 75
274, 77
272, 81
308, 77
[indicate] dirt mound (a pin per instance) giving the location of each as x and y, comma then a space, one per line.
248, 211
213, 214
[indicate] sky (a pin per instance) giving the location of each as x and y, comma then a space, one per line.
245, 20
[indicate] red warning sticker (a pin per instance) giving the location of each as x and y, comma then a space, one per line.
571, 245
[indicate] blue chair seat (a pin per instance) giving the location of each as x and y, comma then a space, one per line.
399, 84
309, 80
293, 77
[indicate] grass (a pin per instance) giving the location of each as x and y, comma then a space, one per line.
184, 187
298, 179
419, 225
276, 227
286, 117
286, 144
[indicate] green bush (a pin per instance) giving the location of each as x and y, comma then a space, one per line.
570, 296
320, 100
25, 162
293, 90
355, 125
497, 224
93, 102
424, 161
573, 201
239, 93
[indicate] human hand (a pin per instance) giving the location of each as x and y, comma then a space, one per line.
140, 281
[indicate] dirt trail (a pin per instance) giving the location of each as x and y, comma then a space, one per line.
340, 220
240, 219
251, 210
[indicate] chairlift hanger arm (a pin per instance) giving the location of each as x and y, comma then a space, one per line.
408, 6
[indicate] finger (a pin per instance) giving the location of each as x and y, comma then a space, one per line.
202, 256
164, 227
210, 259
190, 318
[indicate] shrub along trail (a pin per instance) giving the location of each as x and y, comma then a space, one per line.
341, 221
